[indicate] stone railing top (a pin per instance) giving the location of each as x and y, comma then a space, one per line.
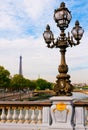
81, 103
25, 103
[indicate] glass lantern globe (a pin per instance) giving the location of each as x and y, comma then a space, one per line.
77, 31
62, 16
48, 35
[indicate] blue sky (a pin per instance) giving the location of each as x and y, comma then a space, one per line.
22, 23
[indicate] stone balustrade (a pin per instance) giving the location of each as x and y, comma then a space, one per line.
81, 115
47, 115
24, 114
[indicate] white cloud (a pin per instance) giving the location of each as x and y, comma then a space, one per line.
36, 8
6, 16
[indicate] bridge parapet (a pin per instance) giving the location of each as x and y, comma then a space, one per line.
44, 115
24, 113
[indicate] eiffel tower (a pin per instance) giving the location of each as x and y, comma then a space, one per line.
20, 66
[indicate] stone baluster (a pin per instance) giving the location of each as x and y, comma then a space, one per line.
87, 116
3, 115
79, 118
46, 116
69, 112
9, 115
39, 115
15, 115
33, 117
27, 118
21, 117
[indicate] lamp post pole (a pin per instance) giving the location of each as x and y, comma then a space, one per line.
62, 17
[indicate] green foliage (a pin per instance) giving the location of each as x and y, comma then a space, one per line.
85, 87
43, 84
18, 82
4, 78
32, 85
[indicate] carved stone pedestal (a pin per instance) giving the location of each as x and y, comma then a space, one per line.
61, 113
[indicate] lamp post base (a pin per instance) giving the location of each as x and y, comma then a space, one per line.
63, 87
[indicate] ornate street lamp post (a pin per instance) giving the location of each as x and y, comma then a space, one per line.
62, 17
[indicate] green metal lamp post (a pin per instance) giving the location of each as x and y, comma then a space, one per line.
62, 17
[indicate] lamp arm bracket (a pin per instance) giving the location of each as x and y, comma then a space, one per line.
71, 42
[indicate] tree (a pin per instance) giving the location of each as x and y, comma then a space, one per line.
18, 82
43, 84
4, 78
32, 85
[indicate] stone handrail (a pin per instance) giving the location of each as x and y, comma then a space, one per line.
81, 103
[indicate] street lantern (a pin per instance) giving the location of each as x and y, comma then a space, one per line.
48, 35
62, 17
77, 32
